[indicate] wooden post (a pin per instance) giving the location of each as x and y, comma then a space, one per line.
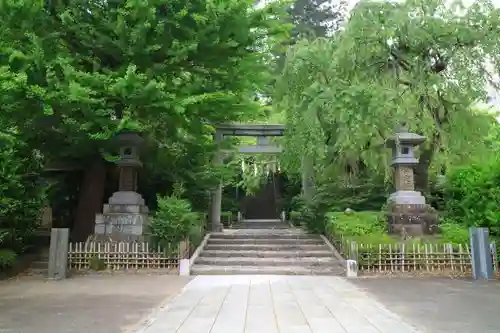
58, 255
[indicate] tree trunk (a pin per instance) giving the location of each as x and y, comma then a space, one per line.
307, 178
90, 200
422, 168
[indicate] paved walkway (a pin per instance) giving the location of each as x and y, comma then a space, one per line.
274, 304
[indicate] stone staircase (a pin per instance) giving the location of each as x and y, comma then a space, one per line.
260, 224
279, 251
40, 266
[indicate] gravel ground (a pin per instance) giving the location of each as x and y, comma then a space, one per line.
440, 304
83, 304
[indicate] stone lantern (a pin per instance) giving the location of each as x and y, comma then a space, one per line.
129, 162
408, 212
125, 215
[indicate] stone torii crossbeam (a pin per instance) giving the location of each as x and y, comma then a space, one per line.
262, 132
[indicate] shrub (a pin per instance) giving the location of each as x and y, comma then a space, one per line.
312, 213
356, 223
472, 195
7, 259
453, 233
174, 221
227, 218
295, 218
22, 194
97, 264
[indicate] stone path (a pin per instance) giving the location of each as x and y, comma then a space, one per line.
274, 304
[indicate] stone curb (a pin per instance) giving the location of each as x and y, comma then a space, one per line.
198, 250
334, 250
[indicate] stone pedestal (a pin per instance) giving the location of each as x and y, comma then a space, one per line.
411, 220
124, 218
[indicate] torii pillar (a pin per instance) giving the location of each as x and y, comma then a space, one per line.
217, 193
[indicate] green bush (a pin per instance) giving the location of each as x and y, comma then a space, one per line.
22, 194
453, 233
97, 264
7, 259
227, 218
312, 213
357, 223
295, 218
472, 195
174, 221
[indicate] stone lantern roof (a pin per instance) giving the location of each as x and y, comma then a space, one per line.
128, 142
129, 138
403, 137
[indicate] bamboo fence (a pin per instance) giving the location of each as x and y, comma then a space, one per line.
411, 257
124, 255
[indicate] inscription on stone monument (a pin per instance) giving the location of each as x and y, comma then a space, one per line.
404, 178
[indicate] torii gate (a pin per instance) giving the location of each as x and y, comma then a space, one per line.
262, 132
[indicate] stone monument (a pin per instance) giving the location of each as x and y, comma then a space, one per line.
125, 216
408, 213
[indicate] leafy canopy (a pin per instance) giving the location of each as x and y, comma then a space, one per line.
416, 61
73, 74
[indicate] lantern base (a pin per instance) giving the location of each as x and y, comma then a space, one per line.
411, 220
406, 198
125, 218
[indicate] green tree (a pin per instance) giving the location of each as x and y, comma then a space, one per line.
73, 74
22, 196
316, 18
417, 61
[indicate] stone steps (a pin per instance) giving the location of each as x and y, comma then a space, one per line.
265, 254
284, 252
268, 261
265, 270
259, 226
40, 266
271, 241
258, 234
265, 247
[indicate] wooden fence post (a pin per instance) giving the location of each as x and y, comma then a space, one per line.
58, 254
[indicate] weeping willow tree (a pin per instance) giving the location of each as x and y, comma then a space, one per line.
418, 62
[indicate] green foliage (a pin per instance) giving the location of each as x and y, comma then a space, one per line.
359, 192
22, 194
312, 214
97, 264
370, 228
393, 62
356, 223
7, 258
472, 195
314, 18
453, 233
295, 218
227, 218
174, 221
159, 65
73, 74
